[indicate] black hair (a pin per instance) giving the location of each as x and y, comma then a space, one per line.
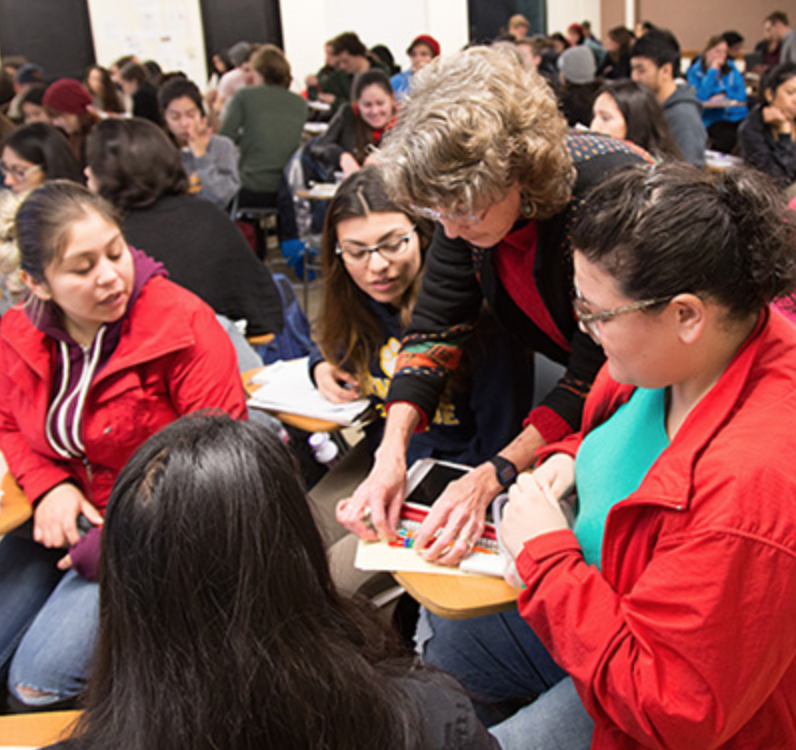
177, 88
134, 162
109, 99
385, 56
44, 221
34, 95
220, 626
660, 46
48, 148
775, 77
369, 78
669, 229
732, 38
778, 17
645, 123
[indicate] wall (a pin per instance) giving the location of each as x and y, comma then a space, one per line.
561, 13
693, 22
395, 24
168, 31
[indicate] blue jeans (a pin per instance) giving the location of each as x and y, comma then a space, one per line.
48, 623
504, 666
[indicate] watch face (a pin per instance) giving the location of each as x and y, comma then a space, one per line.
506, 472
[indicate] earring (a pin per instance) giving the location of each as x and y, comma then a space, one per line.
527, 206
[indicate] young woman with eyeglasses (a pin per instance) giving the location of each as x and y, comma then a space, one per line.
373, 262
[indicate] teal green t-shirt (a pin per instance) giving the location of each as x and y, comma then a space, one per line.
612, 462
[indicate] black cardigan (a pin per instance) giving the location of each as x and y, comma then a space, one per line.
204, 251
762, 150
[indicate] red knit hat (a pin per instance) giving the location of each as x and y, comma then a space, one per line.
67, 95
429, 41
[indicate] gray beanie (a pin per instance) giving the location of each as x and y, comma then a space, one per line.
577, 64
239, 53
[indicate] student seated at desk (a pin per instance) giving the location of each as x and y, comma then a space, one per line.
220, 626
105, 352
372, 254
668, 607
132, 164
357, 127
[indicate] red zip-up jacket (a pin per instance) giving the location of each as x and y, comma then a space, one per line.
687, 636
173, 358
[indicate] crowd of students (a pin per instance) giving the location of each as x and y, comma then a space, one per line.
173, 577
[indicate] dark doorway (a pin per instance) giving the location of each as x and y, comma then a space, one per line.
488, 18
229, 21
55, 35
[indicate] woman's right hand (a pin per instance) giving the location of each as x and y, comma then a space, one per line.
372, 512
332, 381
348, 164
55, 517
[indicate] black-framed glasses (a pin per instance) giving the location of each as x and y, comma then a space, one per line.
389, 249
588, 320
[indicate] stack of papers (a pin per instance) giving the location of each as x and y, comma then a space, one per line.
286, 387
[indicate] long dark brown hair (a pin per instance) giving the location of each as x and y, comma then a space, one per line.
644, 120
220, 626
350, 333
364, 133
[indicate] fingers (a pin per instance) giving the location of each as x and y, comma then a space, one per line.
353, 516
64, 563
91, 513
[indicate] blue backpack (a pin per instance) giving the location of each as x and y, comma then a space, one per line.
294, 340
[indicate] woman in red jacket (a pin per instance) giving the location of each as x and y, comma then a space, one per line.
669, 603
105, 352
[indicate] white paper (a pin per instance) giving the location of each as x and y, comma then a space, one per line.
286, 387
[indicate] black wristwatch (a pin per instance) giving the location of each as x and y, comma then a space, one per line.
505, 470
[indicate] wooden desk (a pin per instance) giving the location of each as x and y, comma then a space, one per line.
14, 506
36, 729
308, 424
459, 597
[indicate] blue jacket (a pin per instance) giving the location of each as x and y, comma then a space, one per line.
710, 83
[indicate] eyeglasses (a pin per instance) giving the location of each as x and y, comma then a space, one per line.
435, 215
588, 320
18, 173
388, 249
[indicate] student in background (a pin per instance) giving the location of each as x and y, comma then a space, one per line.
105, 352
578, 86
373, 254
71, 109
357, 127
31, 106
103, 90
767, 139
655, 62
421, 51
629, 111
132, 164
716, 80
216, 591
617, 60
210, 160
35, 153
266, 121
136, 84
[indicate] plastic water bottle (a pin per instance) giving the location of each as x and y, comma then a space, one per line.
324, 449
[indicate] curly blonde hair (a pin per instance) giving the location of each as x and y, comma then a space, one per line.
10, 279
475, 123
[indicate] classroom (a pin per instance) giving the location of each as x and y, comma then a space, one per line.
418, 376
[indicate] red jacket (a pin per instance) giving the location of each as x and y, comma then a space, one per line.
687, 637
172, 358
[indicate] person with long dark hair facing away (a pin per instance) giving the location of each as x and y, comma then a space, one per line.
629, 111
35, 153
220, 626
767, 139
661, 618
357, 127
133, 164
373, 254
105, 352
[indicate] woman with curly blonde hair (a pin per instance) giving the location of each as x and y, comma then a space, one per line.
481, 148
